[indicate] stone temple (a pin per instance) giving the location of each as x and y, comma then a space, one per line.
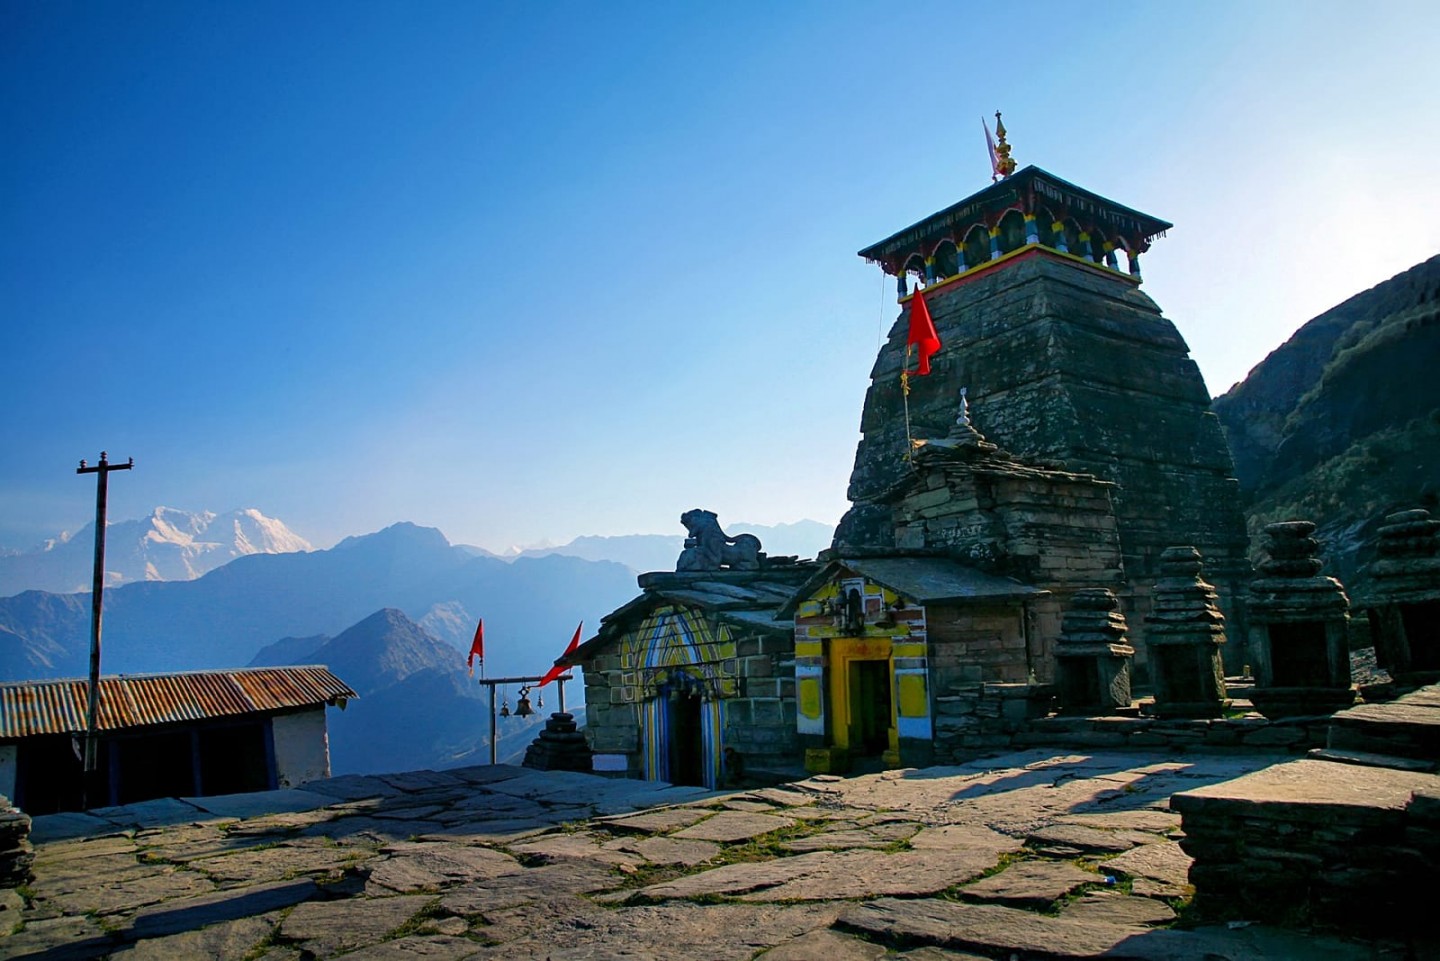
1067, 363
1060, 445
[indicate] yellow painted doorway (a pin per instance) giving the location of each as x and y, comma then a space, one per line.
862, 692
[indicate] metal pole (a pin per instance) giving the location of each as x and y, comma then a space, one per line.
562, 694
97, 590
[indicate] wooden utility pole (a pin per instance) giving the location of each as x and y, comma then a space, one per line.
92, 713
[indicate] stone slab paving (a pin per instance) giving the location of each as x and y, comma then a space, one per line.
1030, 884
510, 863
728, 827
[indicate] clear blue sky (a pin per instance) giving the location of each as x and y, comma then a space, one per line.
528, 271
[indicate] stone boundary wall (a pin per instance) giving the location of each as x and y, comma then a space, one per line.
999, 717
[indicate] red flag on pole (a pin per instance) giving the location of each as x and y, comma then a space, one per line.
477, 648
557, 670
922, 332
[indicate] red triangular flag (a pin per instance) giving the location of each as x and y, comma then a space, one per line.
477, 647
558, 669
922, 332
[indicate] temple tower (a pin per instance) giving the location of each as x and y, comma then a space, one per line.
1033, 285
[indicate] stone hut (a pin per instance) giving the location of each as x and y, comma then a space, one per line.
693, 681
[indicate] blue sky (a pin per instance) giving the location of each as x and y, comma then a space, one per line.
527, 271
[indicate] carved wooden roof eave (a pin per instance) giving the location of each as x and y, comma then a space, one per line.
1031, 187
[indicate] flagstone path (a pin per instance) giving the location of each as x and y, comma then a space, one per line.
1019, 857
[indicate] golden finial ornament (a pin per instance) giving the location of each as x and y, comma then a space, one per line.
1004, 163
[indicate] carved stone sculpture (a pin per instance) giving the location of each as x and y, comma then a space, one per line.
709, 549
1185, 633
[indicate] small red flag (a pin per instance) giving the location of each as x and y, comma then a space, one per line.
477, 647
558, 669
922, 332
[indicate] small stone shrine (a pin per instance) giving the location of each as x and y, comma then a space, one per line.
560, 747
1186, 632
16, 854
1404, 598
1092, 660
1299, 629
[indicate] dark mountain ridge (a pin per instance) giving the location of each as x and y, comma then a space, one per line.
1341, 424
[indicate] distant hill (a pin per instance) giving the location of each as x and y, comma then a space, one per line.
417, 708
223, 619
169, 545
657, 552
1341, 424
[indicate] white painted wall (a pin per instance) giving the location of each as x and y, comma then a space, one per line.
302, 747
9, 760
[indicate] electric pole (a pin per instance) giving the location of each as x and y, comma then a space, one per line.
92, 712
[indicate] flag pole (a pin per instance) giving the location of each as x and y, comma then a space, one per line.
905, 391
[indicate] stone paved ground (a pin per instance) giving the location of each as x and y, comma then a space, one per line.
1021, 857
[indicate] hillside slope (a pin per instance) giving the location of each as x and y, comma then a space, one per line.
1341, 424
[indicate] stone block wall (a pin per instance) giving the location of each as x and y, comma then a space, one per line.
1314, 843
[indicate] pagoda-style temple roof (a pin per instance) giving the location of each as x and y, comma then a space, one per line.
1032, 192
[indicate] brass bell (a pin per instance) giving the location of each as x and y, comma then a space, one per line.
522, 706
505, 707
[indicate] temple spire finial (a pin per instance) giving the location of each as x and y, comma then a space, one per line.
1004, 163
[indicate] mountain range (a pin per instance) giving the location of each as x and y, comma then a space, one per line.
169, 545
531, 606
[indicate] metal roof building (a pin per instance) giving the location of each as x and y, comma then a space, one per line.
184, 734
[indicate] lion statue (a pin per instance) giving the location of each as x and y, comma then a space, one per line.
709, 549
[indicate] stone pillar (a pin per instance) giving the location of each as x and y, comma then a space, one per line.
1403, 599
1085, 249
1299, 629
1092, 658
1135, 264
929, 271
1111, 261
1032, 232
994, 243
1184, 632
1057, 231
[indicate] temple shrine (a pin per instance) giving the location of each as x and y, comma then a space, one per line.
1061, 443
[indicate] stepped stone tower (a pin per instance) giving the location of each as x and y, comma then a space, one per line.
1067, 363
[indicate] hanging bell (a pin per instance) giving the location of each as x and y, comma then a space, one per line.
522, 706
505, 706
540, 702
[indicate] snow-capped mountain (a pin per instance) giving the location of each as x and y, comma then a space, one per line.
169, 545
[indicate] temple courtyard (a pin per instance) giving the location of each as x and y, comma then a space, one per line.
1027, 855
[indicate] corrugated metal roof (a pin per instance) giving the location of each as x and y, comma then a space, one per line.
144, 700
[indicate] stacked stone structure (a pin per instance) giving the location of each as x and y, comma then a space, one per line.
560, 747
1092, 660
16, 855
1070, 364
1186, 633
1054, 529
1299, 629
1404, 598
